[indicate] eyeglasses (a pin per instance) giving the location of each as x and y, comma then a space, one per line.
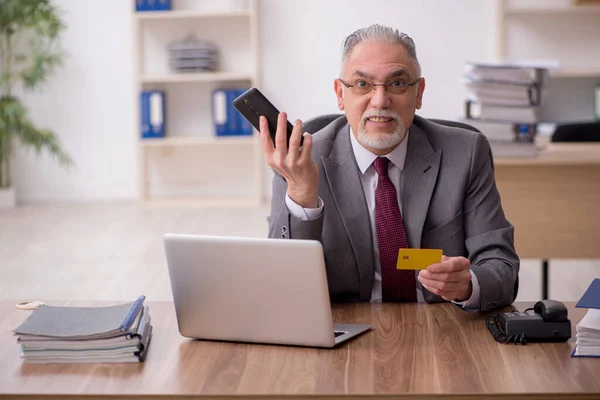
362, 87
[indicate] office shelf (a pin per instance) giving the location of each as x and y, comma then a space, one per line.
573, 10
162, 162
575, 73
185, 141
189, 14
196, 77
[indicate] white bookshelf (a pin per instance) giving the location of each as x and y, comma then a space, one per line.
200, 141
563, 35
191, 14
191, 165
196, 77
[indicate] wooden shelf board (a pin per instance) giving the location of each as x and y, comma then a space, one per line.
579, 10
197, 141
195, 77
189, 14
575, 73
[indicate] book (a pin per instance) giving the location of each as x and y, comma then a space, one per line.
587, 343
120, 333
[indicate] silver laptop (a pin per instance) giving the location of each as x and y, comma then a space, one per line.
253, 290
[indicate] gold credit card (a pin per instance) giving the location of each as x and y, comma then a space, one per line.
418, 258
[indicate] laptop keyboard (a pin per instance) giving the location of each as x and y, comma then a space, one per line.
338, 333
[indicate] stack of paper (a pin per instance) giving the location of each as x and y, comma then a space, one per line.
505, 92
504, 138
588, 329
193, 55
107, 334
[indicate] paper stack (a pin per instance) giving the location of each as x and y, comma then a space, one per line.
588, 329
503, 103
109, 334
505, 92
193, 55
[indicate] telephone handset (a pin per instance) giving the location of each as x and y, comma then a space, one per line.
547, 321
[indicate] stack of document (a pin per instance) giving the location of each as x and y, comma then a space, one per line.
109, 334
505, 92
588, 329
193, 55
507, 140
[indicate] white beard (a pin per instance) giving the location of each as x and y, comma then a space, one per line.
380, 141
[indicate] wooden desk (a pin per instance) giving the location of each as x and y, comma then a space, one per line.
553, 201
415, 349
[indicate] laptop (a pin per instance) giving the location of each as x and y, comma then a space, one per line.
253, 290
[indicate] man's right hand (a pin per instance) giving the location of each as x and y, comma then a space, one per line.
295, 164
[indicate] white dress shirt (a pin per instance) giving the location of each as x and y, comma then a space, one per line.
369, 178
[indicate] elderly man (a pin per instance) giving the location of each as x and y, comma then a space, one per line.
380, 178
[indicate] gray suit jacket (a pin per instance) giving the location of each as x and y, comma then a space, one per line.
449, 201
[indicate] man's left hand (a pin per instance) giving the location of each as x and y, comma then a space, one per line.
450, 279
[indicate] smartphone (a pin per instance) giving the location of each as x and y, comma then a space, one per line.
252, 104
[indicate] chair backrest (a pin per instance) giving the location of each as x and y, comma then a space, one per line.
582, 132
317, 123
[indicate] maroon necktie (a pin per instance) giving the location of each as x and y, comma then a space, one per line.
396, 285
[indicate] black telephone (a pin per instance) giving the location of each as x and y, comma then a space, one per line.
547, 321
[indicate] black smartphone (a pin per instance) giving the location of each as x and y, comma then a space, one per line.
252, 104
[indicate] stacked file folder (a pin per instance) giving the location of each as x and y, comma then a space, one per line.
505, 92
503, 103
193, 55
110, 334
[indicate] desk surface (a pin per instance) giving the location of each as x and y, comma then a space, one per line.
552, 200
558, 154
412, 349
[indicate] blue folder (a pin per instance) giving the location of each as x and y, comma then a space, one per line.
245, 127
152, 5
153, 114
590, 299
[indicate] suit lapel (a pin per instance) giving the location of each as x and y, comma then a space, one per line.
343, 177
419, 176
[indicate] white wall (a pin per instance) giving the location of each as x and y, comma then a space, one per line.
301, 44
89, 102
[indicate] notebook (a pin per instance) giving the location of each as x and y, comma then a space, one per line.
65, 335
76, 323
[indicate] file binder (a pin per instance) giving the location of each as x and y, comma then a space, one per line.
226, 119
246, 128
153, 114
152, 5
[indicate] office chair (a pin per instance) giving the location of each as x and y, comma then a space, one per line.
581, 132
317, 123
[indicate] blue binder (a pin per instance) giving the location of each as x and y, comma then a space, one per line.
219, 112
233, 125
246, 128
226, 119
152, 5
590, 299
153, 114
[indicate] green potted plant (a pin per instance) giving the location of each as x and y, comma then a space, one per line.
29, 32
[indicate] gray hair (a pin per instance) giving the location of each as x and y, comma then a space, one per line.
376, 33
